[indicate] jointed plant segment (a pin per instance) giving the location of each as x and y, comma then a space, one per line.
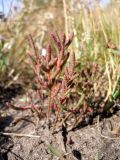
52, 77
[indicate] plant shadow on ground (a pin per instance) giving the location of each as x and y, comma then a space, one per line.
105, 115
6, 95
77, 154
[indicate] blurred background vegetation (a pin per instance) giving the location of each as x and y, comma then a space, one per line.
93, 24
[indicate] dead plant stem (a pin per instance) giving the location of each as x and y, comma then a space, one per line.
66, 17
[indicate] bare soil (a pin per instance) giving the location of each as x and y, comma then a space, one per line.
99, 141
